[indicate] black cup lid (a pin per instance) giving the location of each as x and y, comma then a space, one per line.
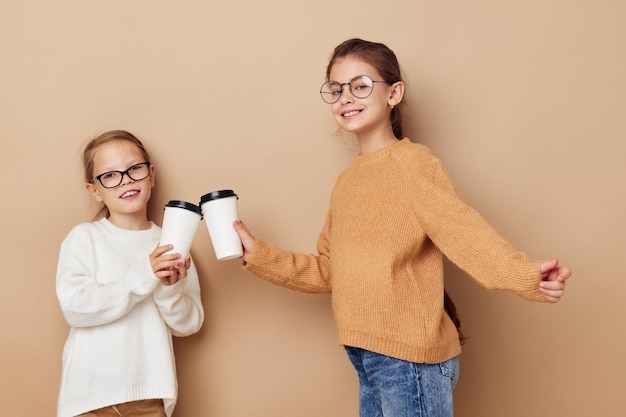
217, 194
184, 205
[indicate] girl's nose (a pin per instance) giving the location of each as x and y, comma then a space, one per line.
346, 96
129, 180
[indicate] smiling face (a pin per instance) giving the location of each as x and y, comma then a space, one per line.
127, 203
368, 118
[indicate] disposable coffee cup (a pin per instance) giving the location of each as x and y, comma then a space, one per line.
180, 222
219, 209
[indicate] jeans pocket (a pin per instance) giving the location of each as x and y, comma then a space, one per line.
450, 369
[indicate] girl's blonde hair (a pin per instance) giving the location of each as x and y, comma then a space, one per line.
92, 147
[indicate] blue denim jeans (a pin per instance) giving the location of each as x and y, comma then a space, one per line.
390, 387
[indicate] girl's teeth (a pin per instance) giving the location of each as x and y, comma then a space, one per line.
128, 194
350, 113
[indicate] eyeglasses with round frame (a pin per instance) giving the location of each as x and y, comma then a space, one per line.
360, 86
112, 179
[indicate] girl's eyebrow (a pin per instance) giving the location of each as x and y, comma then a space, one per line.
356, 76
137, 160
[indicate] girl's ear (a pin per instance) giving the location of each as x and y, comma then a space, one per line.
91, 189
396, 93
152, 175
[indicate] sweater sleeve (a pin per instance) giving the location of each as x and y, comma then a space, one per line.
308, 273
464, 236
86, 302
180, 304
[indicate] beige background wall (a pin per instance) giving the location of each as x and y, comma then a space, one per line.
523, 101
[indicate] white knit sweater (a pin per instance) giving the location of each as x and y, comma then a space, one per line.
121, 319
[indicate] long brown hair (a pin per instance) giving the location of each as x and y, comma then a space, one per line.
91, 148
380, 57
450, 308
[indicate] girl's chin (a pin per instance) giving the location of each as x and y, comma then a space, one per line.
348, 126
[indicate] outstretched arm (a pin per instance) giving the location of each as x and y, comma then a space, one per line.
554, 276
298, 271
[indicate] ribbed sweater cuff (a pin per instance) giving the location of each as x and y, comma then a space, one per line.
523, 279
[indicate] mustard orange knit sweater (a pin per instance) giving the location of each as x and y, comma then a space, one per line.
393, 215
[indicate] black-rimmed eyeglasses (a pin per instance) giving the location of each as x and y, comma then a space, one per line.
112, 179
360, 86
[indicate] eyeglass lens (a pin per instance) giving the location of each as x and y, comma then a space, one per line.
112, 179
360, 86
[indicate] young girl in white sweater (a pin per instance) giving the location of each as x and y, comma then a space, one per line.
121, 295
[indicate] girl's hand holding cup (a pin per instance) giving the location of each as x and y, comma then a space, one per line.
167, 267
247, 239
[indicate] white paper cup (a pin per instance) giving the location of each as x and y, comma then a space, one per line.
219, 209
180, 223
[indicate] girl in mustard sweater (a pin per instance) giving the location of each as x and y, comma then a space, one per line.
394, 213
